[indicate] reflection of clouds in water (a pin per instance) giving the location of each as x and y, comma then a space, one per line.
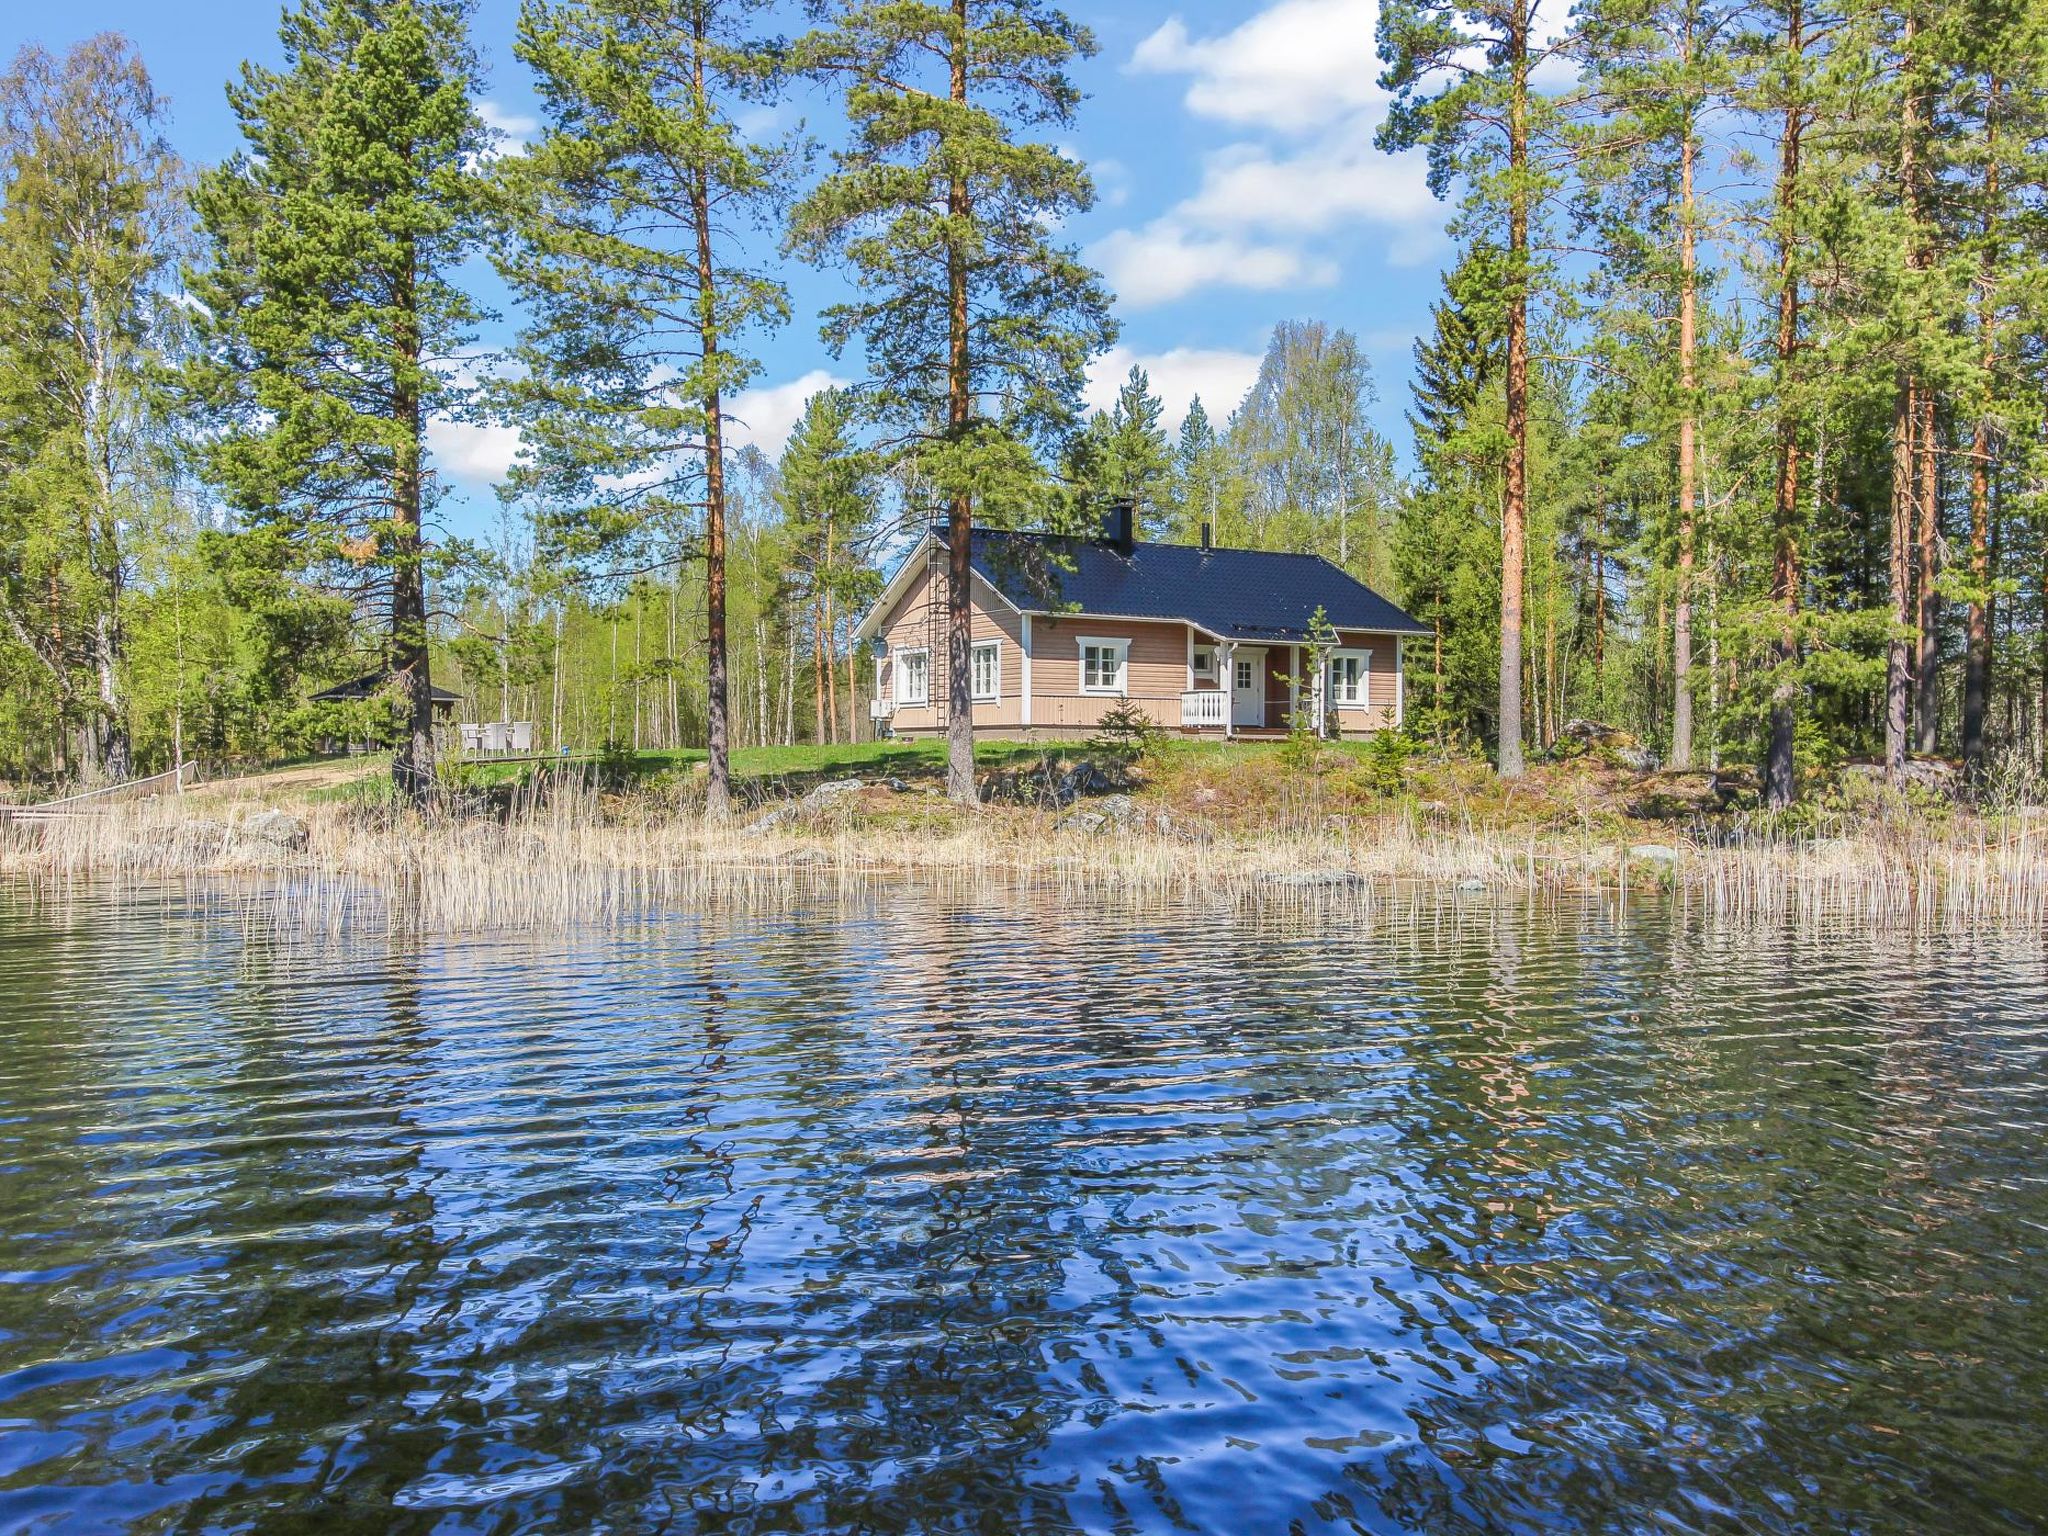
890, 1215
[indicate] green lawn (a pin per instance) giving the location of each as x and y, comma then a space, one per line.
865, 759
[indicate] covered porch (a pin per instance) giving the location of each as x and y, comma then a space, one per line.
1260, 687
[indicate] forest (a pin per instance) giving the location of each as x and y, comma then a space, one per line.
1730, 428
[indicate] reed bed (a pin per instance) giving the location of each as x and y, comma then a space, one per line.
578, 860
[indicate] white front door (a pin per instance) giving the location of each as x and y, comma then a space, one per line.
1248, 686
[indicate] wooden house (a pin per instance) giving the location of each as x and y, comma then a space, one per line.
1205, 640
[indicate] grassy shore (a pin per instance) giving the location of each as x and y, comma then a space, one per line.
1210, 820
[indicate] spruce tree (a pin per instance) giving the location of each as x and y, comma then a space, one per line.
942, 209
333, 315
1444, 574
626, 215
1138, 459
1207, 486
826, 487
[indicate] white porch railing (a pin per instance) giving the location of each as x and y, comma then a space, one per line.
1204, 707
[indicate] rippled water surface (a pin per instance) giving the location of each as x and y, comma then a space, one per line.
892, 1215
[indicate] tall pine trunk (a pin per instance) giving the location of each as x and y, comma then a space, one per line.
717, 735
412, 766
1977, 659
1924, 491
1927, 673
1898, 678
960, 509
1779, 785
1688, 428
1515, 505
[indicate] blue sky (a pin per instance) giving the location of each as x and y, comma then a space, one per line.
1232, 148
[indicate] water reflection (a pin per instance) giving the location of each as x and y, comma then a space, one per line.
888, 1215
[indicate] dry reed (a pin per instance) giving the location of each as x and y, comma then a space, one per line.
575, 860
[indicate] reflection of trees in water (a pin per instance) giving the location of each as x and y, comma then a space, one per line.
1720, 1309
336, 1268
917, 1323
937, 1219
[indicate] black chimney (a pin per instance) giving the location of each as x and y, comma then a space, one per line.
1205, 538
1119, 525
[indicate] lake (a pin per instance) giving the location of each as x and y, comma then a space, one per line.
881, 1212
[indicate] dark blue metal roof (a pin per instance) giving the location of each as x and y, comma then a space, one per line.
1248, 594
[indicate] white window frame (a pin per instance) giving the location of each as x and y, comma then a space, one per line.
1364, 697
1196, 669
995, 692
1120, 648
1251, 673
899, 675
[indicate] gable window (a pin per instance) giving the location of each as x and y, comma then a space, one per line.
1205, 660
1348, 671
1103, 665
986, 673
913, 678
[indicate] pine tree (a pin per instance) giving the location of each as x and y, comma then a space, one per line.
1480, 123
943, 211
89, 217
640, 293
1657, 68
332, 310
1991, 112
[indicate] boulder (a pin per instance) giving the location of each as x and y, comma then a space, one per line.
1929, 775
832, 791
1120, 813
1042, 787
276, 829
1470, 885
1613, 743
1654, 853
781, 816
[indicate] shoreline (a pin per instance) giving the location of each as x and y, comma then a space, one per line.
583, 857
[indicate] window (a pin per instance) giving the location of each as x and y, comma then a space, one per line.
913, 677
1347, 678
1102, 665
1244, 676
986, 673
1205, 660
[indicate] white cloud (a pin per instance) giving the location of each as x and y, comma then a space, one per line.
1301, 75
1337, 180
479, 454
1220, 376
482, 454
511, 130
1112, 183
1166, 260
1291, 66
766, 414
